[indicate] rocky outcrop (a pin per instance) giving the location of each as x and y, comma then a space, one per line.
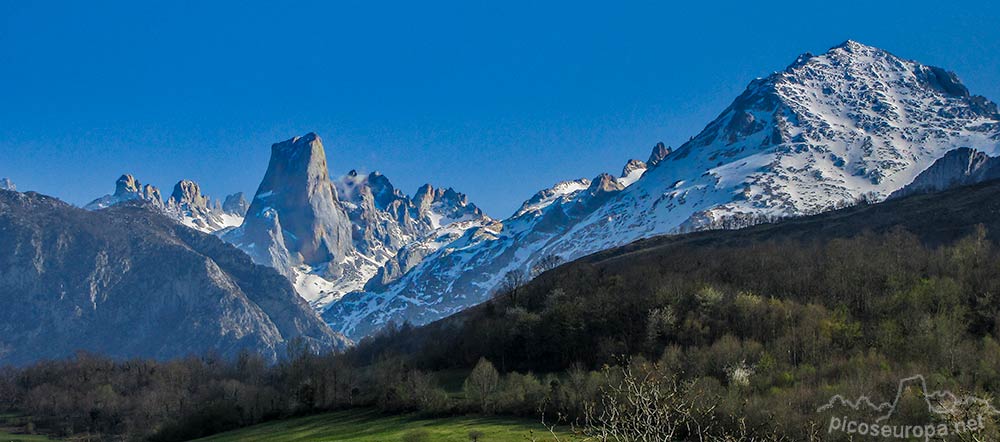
660, 151
185, 205
127, 188
191, 208
959, 167
188, 193
129, 282
236, 204
632, 171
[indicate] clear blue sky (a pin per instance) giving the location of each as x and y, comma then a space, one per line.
496, 99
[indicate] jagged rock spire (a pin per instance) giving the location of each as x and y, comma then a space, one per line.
297, 193
187, 192
660, 151
127, 188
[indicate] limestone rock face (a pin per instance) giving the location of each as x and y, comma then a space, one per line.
189, 193
959, 167
632, 171
127, 188
295, 217
191, 208
236, 204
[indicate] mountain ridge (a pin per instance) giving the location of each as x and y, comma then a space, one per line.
75, 280
853, 124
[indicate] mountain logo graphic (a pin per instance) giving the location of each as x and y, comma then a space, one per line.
941, 402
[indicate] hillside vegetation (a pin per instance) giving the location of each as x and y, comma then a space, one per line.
724, 336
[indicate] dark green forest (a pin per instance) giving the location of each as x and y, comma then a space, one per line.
725, 335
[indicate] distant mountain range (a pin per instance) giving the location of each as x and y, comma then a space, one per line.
185, 204
853, 124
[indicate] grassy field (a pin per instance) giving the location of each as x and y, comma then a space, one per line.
370, 426
10, 437
10, 426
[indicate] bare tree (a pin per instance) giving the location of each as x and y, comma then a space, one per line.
511, 285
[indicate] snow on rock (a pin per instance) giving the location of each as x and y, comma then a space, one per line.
186, 204
199, 212
855, 123
360, 221
127, 188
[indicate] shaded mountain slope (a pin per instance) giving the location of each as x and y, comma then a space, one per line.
129, 282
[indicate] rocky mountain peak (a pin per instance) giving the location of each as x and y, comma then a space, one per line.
236, 204
383, 190
604, 183
127, 184
632, 171
7, 184
151, 193
127, 188
297, 190
187, 192
660, 151
424, 197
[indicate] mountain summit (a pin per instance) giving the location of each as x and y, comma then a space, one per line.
855, 123
127, 188
331, 237
296, 208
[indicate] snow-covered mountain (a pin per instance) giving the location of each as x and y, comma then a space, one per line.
7, 184
487, 250
186, 204
331, 237
855, 123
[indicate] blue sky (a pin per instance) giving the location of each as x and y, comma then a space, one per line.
496, 99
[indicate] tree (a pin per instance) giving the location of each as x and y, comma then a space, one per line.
482, 384
511, 285
475, 435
